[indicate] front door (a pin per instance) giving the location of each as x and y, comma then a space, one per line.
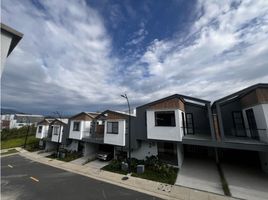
252, 124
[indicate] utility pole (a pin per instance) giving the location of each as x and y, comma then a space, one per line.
129, 134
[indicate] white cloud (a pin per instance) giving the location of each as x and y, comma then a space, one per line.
65, 60
65, 46
228, 45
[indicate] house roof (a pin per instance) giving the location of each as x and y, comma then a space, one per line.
90, 114
241, 93
16, 36
46, 121
63, 121
178, 96
115, 112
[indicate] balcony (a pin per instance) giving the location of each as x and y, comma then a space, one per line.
247, 136
199, 136
96, 135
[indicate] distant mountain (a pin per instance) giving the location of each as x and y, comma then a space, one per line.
9, 111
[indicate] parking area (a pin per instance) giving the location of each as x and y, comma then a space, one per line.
246, 182
97, 164
200, 173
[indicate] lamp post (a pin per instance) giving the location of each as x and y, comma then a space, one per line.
58, 144
129, 134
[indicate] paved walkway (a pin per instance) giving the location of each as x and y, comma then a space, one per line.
97, 164
245, 182
200, 174
157, 189
80, 161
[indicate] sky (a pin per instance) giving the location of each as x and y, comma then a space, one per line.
82, 55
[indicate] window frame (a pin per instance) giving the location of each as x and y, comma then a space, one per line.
187, 123
53, 130
164, 111
113, 132
79, 125
40, 131
242, 123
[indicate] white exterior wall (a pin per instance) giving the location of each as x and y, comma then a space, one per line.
146, 149
261, 117
56, 137
84, 130
168, 133
5, 44
116, 139
43, 133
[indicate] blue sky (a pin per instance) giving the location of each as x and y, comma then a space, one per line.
82, 55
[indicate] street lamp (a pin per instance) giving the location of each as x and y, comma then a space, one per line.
129, 135
58, 144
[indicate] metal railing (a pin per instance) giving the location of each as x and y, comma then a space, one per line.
247, 133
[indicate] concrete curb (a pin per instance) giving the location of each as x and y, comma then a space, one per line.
157, 189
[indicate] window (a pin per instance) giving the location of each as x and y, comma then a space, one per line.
238, 123
190, 123
252, 123
76, 126
112, 127
40, 129
183, 123
56, 130
165, 118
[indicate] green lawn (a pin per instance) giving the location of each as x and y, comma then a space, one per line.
17, 142
9, 152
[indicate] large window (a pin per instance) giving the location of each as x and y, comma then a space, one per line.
112, 127
76, 126
40, 129
252, 123
56, 130
165, 118
190, 123
239, 123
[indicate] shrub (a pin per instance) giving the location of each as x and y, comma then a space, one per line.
115, 164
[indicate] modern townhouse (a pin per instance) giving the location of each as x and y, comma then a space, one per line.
162, 127
42, 131
241, 125
80, 126
95, 132
56, 134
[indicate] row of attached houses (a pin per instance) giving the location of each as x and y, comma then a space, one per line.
171, 128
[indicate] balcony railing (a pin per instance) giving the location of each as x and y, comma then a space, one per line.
258, 135
95, 138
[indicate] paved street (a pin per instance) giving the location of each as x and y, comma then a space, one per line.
23, 179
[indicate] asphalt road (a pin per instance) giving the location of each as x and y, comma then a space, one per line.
23, 179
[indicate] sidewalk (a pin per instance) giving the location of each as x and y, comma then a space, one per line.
153, 188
